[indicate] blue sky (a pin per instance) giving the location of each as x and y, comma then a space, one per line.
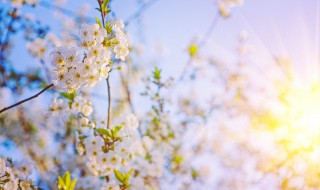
175, 22
286, 27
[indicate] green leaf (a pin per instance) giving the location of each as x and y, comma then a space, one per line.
194, 173
43, 85
107, 11
116, 130
61, 184
69, 96
148, 157
171, 135
105, 5
157, 74
65, 183
119, 175
67, 178
130, 172
98, 22
73, 184
177, 159
193, 49
104, 132
155, 120
127, 177
108, 27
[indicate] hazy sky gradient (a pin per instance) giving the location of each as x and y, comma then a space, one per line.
283, 28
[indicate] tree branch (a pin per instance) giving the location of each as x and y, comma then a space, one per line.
144, 7
4, 43
212, 26
30, 98
67, 12
201, 43
102, 13
127, 91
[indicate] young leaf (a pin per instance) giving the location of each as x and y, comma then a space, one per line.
130, 172
104, 5
65, 183
69, 96
104, 132
116, 130
73, 184
127, 177
193, 49
67, 178
107, 11
157, 74
194, 173
98, 22
177, 159
61, 183
119, 176
148, 157
108, 27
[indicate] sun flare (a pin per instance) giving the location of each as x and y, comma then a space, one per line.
294, 122
295, 118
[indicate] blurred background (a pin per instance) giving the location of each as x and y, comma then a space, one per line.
164, 30
250, 92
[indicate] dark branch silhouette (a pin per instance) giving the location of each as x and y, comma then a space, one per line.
30, 98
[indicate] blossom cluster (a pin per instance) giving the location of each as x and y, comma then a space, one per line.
225, 6
39, 46
15, 176
121, 49
19, 3
79, 104
109, 150
73, 70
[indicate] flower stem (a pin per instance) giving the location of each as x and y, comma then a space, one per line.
108, 83
109, 102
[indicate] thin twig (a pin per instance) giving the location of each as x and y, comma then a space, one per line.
30, 98
67, 12
207, 35
126, 88
109, 102
185, 69
102, 13
6, 38
46, 70
108, 83
201, 43
135, 15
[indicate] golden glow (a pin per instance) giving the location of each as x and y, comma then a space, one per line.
294, 122
295, 118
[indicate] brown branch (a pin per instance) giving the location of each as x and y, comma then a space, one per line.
30, 98
102, 13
